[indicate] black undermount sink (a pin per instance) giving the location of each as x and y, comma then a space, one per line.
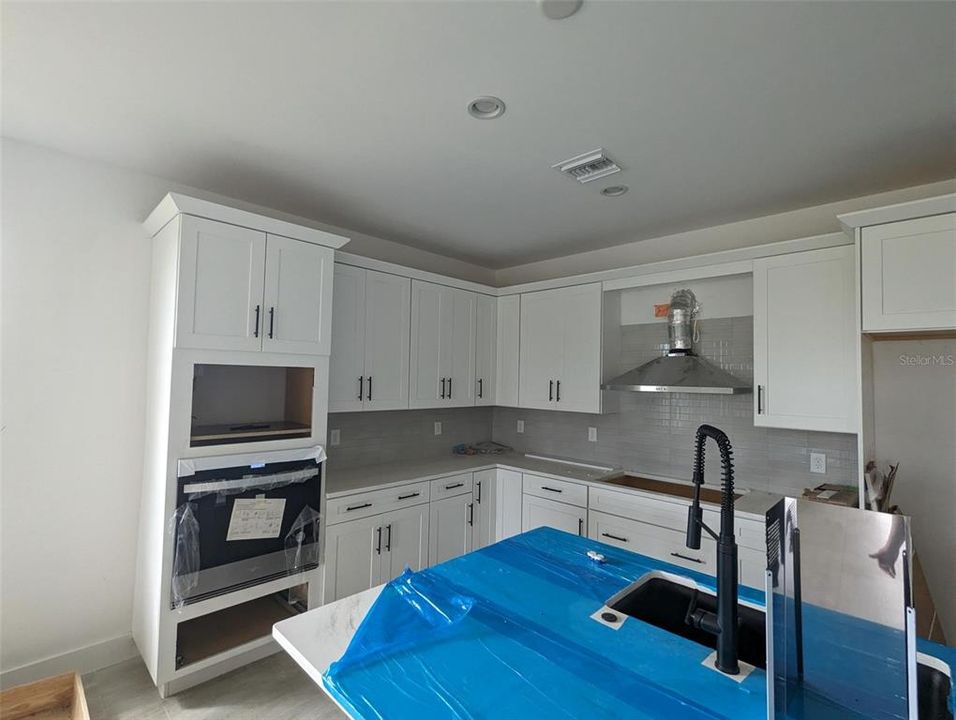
664, 604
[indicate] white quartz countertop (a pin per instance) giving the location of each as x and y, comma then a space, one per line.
350, 481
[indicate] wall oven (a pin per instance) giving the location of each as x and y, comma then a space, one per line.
244, 519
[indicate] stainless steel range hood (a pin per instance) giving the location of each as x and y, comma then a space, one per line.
681, 370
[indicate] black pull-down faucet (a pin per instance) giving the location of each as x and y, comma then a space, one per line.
724, 624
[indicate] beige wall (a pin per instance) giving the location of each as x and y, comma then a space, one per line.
915, 425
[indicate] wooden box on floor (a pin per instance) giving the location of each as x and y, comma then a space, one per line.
54, 698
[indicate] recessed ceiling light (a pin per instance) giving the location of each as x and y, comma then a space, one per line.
486, 107
614, 191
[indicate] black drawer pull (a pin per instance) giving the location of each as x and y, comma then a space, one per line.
614, 537
410, 495
255, 333
378, 545
471, 513
456, 485
551, 489
581, 527
361, 386
350, 508
685, 557
557, 394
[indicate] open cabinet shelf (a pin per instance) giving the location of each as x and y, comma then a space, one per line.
218, 632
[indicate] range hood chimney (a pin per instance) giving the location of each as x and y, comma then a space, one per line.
680, 370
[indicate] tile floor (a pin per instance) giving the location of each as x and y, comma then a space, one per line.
271, 689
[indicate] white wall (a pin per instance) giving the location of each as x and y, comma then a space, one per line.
817, 220
914, 405
75, 286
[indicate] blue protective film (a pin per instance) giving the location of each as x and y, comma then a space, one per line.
506, 632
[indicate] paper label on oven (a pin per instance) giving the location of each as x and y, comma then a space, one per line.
256, 518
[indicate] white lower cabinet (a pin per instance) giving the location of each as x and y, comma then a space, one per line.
669, 544
540, 512
485, 513
360, 554
507, 504
451, 528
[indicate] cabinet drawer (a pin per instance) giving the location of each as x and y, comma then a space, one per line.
452, 485
664, 513
375, 502
560, 490
651, 540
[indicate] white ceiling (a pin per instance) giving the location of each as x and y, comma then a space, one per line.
353, 113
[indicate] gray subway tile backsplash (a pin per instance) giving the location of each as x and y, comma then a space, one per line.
652, 433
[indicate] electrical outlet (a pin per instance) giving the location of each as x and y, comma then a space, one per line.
521, 426
335, 437
437, 428
592, 434
818, 463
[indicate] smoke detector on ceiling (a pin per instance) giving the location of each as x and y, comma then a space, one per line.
559, 9
588, 166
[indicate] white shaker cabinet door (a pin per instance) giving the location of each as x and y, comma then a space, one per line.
347, 361
507, 504
804, 341
461, 372
387, 326
485, 498
221, 275
451, 524
298, 297
404, 541
506, 350
430, 357
540, 512
353, 557
580, 377
909, 275
541, 348
486, 344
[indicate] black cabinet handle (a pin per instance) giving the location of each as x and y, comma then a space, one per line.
481, 393
350, 508
478, 498
378, 545
685, 557
255, 333
471, 514
581, 527
760, 399
449, 388
361, 386
614, 537
456, 485
272, 321
369, 387
550, 390
557, 395
388, 538
410, 495
443, 388
551, 489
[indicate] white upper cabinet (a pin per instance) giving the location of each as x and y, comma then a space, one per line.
241, 289
442, 365
560, 349
909, 275
506, 350
221, 276
804, 341
370, 336
297, 302
347, 361
486, 350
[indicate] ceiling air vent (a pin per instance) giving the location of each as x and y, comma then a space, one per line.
588, 166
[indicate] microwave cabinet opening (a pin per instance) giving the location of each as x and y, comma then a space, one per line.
248, 403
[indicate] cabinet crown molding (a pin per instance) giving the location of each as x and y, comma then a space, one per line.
900, 211
175, 204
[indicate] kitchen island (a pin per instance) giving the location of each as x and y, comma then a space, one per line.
507, 631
